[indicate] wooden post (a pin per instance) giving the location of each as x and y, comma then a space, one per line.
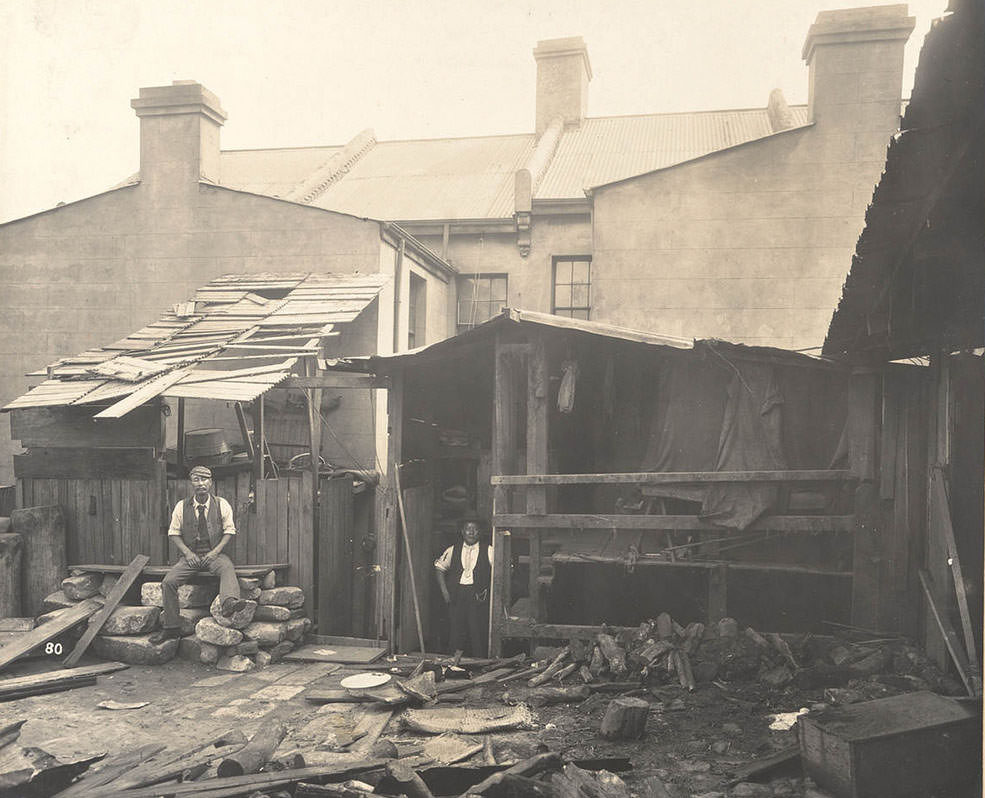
537, 458
389, 517
181, 433
864, 404
313, 396
503, 462
44, 562
939, 446
259, 464
11, 547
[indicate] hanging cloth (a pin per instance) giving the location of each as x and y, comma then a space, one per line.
566, 391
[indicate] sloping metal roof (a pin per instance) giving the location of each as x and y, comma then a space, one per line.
473, 177
238, 337
607, 149
273, 173
469, 178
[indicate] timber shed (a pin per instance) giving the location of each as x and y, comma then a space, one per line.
229, 379
624, 474
911, 321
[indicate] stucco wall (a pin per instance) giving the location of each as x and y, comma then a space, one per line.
750, 245
89, 273
529, 281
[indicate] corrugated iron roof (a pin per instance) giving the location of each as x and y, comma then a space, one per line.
271, 172
465, 178
473, 178
236, 339
606, 149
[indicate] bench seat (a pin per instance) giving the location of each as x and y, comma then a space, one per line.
160, 570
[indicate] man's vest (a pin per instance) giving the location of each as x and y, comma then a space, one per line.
189, 524
481, 573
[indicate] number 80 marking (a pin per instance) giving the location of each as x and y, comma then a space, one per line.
53, 648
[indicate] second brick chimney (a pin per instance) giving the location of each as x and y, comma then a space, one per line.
179, 134
563, 73
855, 58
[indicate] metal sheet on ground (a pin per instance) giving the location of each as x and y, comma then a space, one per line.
345, 655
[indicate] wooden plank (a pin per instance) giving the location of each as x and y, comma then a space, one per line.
335, 556
538, 388
418, 510
144, 393
951, 640
344, 655
63, 621
940, 516
303, 550
779, 523
563, 557
28, 685
113, 598
515, 627
67, 463
43, 558
674, 477
74, 427
337, 380
504, 431
387, 545
499, 594
160, 570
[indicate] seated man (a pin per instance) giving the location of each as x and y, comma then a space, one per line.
201, 526
467, 565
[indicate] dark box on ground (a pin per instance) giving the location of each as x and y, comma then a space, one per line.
916, 744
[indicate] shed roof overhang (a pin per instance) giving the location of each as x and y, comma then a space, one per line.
917, 280
239, 337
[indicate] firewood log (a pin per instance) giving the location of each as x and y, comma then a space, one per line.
550, 670
665, 626
256, 752
613, 653
528, 767
411, 784
625, 719
572, 780
566, 671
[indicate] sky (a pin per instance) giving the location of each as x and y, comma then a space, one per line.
309, 72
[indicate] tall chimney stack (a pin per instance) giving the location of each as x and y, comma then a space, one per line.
179, 134
855, 58
563, 73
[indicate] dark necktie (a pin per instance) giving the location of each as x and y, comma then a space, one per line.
202, 531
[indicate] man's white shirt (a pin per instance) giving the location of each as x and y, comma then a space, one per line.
225, 513
470, 554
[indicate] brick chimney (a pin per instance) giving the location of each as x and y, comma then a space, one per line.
855, 58
179, 134
563, 73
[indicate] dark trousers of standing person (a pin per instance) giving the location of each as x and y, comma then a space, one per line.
181, 573
468, 621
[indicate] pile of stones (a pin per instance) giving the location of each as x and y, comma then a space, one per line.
268, 627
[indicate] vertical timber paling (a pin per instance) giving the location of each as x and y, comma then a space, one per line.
537, 459
314, 432
864, 407
503, 462
935, 552
387, 545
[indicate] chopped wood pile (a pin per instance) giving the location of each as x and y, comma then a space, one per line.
271, 625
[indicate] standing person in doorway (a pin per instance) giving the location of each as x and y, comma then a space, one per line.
467, 566
201, 526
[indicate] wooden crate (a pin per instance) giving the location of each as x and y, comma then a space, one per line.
917, 744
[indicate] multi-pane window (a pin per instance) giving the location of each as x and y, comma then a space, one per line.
572, 294
480, 297
417, 311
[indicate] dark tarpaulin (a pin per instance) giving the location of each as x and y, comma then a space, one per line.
750, 441
713, 414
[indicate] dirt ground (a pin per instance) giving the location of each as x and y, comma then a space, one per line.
694, 741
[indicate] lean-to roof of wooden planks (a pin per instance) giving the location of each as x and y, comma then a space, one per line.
237, 338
